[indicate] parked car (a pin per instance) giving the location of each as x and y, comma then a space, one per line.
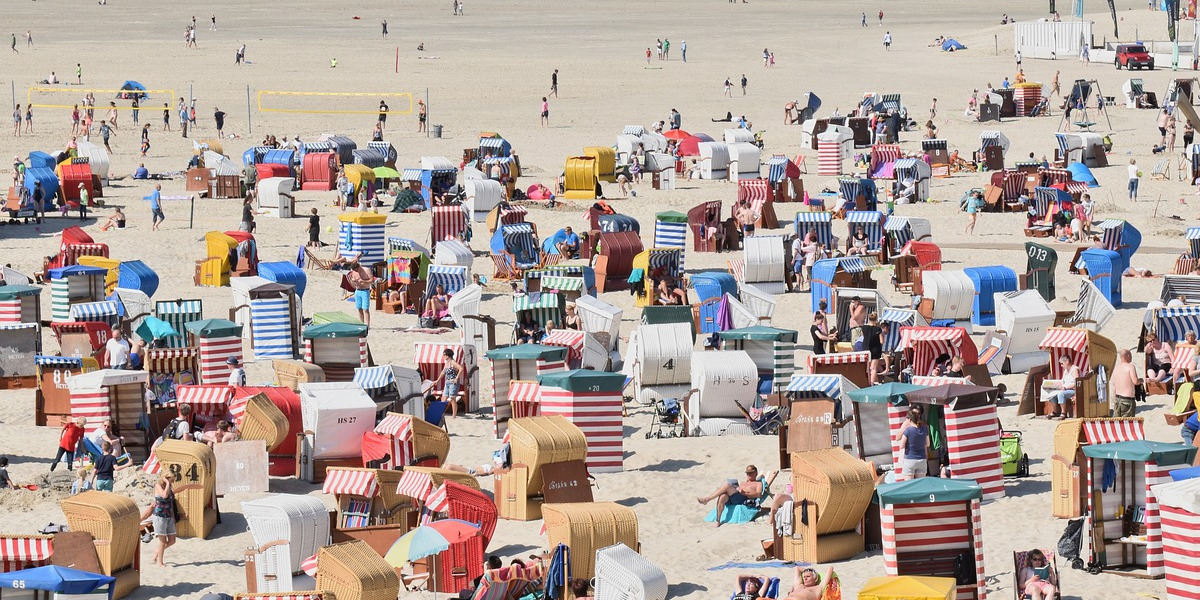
1133, 55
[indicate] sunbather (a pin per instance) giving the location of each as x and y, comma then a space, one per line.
808, 585
1037, 578
438, 305
750, 586
749, 492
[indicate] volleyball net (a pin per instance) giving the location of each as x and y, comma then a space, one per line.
70, 97
335, 103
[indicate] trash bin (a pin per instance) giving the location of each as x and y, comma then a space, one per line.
437, 131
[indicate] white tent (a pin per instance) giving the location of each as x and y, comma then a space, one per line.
663, 364
765, 263
744, 160
338, 414
437, 163
714, 160
952, 295
275, 196
724, 378
1024, 315
482, 196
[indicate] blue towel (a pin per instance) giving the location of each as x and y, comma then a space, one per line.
739, 513
559, 572
1110, 475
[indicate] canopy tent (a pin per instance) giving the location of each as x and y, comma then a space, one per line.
950, 45
132, 89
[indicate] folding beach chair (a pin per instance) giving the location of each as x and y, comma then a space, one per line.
315, 262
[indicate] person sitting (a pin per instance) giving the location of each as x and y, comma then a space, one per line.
141, 172
728, 119
579, 589
117, 219
808, 585
733, 493
1159, 355
528, 331
859, 243
1038, 578
1063, 395
569, 246
223, 433
438, 304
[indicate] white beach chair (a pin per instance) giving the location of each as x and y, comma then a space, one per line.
622, 574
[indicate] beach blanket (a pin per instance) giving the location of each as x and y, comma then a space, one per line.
767, 564
733, 514
405, 199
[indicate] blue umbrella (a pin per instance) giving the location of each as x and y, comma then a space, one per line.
154, 328
53, 578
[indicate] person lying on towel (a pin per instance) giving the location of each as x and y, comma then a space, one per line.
749, 492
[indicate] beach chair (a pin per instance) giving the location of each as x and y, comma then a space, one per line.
1161, 170
314, 262
623, 574
1020, 561
1184, 405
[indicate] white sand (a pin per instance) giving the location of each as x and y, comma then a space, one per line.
488, 71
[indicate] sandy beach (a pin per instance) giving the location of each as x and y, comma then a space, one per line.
488, 71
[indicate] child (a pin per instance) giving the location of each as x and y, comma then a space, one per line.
68, 440
314, 230
82, 482
5, 482
106, 466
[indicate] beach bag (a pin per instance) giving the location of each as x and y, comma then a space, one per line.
964, 569
171, 431
427, 323
1071, 540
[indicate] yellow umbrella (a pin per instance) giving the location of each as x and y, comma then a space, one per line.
907, 587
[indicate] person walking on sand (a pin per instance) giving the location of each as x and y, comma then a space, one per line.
105, 131
887, 41
145, 139
974, 205
683, 50
162, 515
156, 213
728, 88
744, 82
864, 20
554, 83
1018, 60
933, 109
1055, 90
881, 17
545, 112
14, 44
219, 119
1134, 178
647, 56
213, 27
384, 25
112, 115
1085, 56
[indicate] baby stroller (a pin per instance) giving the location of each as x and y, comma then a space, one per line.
1013, 460
667, 421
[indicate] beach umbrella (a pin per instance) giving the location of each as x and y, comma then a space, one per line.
890, 393
690, 146
428, 540
386, 173
154, 328
676, 134
53, 578
1081, 172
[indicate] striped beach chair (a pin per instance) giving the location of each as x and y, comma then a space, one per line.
20, 552
272, 334
106, 312
449, 223
820, 222
545, 306
1188, 261
178, 313
860, 194
871, 223
883, 161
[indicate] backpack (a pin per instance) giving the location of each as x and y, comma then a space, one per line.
171, 431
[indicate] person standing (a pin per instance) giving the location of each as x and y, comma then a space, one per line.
384, 25
914, 440
219, 119
728, 88
314, 230
1125, 382
1134, 178
17, 120
68, 440
248, 212
28, 38
864, 19
79, 73
421, 116
117, 349
181, 108
361, 279
887, 41
166, 117
106, 467
744, 82
658, 48
1055, 90
105, 131
545, 112
933, 109
112, 115
237, 374
162, 513
974, 205
156, 212
451, 378
666, 48
192, 115
213, 27
134, 105
647, 56
554, 83
1018, 61
145, 138
29, 118
881, 17
14, 44
383, 113
683, 49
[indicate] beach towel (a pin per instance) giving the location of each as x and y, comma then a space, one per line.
833, 589
767, 564
783, 519
559, 572
406, 199
739, 513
